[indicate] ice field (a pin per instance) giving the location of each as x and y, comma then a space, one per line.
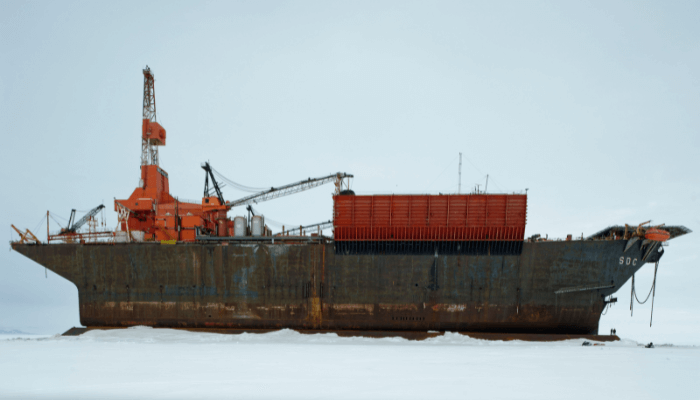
151, 363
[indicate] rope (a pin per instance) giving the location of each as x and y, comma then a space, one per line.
237, 185
39, 224
490, 177
494, 182
632, 297
634, 290
54, 220
651, 318
271, 221
652, 293
65, 219
275, 223
443, 171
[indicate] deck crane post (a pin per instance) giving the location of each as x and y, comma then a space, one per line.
251, 213
71, 219
207, 192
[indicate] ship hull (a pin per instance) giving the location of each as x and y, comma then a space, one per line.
551, 287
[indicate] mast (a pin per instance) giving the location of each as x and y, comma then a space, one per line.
149, 150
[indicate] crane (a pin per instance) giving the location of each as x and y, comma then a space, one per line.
308, 228
207, 192
291, 188
27, 236
73, 227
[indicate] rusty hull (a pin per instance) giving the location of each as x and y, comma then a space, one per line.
552, 287
410, 335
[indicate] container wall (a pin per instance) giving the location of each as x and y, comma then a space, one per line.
481, 217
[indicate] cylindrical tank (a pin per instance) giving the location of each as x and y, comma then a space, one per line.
223, 228
256, 225
138, 236
120, 237
239, 226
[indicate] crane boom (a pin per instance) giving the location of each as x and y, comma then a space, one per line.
207, 192
308, 228
286, 190
82, 221
26, 236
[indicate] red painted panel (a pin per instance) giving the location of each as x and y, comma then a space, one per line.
425, 217
187, 235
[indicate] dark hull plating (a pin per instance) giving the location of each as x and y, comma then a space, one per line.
551, 287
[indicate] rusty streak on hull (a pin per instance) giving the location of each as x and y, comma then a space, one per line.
309, 287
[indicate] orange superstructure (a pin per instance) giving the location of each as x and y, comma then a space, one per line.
151, 212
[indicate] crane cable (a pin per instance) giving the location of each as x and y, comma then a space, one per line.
237, 185
36, 229
54, 219
481, 172
269, 220
276, 224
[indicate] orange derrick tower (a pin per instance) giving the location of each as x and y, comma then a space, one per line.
151, 213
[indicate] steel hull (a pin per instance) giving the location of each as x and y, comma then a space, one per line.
551, 287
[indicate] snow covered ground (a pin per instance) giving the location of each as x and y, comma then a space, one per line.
170, 364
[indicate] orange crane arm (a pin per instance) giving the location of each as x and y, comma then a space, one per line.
26, 236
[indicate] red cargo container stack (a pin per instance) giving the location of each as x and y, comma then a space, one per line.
430, 218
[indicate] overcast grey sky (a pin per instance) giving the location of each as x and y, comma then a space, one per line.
592, 106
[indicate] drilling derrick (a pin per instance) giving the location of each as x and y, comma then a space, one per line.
153, 134
145, 214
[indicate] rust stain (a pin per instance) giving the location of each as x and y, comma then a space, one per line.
316, 314
270, 308
355, 308
451, 308
397, 307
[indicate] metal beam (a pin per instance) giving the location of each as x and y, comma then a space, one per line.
308, 228
286, 190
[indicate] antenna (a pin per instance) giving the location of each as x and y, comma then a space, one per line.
459, 186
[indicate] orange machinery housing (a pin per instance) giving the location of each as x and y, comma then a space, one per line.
160, 216
153, 132
459, 218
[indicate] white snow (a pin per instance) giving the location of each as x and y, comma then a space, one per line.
151, 363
